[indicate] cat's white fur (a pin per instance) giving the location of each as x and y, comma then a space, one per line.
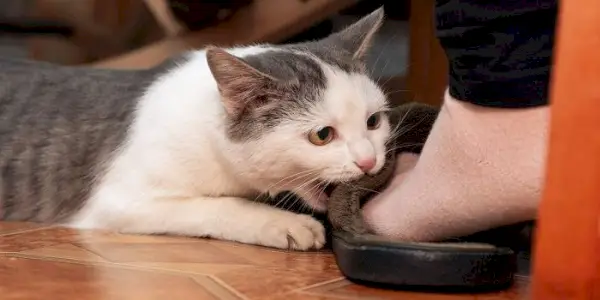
178, 173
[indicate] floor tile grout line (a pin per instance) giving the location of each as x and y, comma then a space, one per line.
213, 285
192, 276
25, 231
312, 286
165, 270
156, 270
347, 297
176, 273
80, 246
159, 270
107, 262
70, 260
102, 264
318, 287
129, 267
227, 286
340, 281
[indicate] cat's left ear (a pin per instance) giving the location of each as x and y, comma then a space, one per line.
238, 82
358, 37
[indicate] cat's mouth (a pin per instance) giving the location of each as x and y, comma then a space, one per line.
317, 195
328, 188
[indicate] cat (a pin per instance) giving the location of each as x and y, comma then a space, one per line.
183, 149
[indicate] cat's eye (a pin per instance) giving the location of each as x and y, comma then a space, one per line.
374, 121
322, 136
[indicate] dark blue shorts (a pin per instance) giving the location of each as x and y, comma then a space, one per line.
500, 51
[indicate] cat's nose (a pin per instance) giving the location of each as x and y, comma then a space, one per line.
365, 164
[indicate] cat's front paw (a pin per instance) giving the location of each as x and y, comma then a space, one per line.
293, 231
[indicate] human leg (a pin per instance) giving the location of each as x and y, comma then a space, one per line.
483, 164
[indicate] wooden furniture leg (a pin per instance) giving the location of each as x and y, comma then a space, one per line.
427, 76
428, 67
567, 250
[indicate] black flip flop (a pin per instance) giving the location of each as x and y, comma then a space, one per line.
370, 259
483, 261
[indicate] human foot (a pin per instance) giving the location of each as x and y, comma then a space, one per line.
480, 168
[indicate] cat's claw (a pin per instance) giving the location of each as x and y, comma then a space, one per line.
294, 231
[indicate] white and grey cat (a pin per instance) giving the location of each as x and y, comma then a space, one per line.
185, 148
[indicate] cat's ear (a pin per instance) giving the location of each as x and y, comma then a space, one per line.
358, 37
238, 82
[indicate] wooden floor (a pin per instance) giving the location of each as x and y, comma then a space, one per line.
58, 263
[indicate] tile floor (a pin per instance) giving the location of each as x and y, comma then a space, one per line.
39, 262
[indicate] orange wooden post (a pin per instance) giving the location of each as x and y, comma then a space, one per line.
428, 66
567, 252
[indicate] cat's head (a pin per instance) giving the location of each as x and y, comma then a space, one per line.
307, 114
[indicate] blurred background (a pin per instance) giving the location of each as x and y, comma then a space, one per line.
133, 34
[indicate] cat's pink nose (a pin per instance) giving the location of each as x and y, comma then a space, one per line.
365, 164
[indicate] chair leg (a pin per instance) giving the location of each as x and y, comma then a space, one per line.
428, 67
567, 250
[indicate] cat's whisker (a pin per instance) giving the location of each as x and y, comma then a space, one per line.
390, 93
401, 71
387, 43
383, 69
297, 178
397, 133
393, 149
322, 188
291, 178
295, 197
285, 199
389, 78
363, 189
404, 117
416, 124
408, 145
308, 182
296, 200
283, 202
398, 127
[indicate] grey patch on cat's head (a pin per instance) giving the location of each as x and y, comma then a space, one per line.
259, 91
335, 57
347, 48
